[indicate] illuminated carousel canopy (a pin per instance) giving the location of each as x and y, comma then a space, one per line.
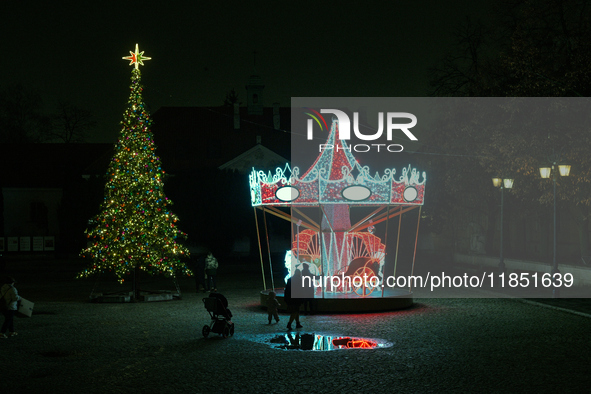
336, 177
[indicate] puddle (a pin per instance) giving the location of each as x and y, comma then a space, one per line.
316, 342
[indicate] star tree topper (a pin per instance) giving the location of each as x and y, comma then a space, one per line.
136, 57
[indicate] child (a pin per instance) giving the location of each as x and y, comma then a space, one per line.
272, 305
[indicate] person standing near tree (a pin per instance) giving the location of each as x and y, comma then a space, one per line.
200, 273
9, 298
197, 265
211, 266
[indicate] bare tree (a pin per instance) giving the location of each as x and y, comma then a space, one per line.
471, 67
21, 118
70, 124
539, 48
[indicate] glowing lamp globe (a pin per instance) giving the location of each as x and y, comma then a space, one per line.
564, 169
545, 172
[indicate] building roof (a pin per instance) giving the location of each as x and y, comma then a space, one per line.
258, 156
202, 137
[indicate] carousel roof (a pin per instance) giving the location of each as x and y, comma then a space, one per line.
336, 177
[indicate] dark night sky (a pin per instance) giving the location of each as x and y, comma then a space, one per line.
71, 50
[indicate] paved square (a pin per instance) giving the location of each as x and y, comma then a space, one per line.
439, 345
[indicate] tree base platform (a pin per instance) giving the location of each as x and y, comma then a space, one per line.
145, 296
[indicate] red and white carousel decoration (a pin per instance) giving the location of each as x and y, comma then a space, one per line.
336, 208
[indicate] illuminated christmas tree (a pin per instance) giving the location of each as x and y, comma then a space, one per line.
136, 229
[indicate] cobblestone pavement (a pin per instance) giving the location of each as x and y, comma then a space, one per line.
439, 345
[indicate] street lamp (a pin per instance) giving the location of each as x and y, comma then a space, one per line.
545, 172
502, 184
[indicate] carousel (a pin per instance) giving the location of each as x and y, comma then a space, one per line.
341, 216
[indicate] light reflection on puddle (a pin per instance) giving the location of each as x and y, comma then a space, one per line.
315, 342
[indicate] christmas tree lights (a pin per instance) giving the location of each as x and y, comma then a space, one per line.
136, 228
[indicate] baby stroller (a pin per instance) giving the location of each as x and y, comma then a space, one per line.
217, 306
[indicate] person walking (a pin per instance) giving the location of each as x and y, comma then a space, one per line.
308, 289
293, 303
10, 298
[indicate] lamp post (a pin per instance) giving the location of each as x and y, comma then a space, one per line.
502, 184
545, 172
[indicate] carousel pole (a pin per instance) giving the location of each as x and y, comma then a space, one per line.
385, 248
297, 238
297, 243
415, 252
260, 249
321, 242
397, 240
268, 249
